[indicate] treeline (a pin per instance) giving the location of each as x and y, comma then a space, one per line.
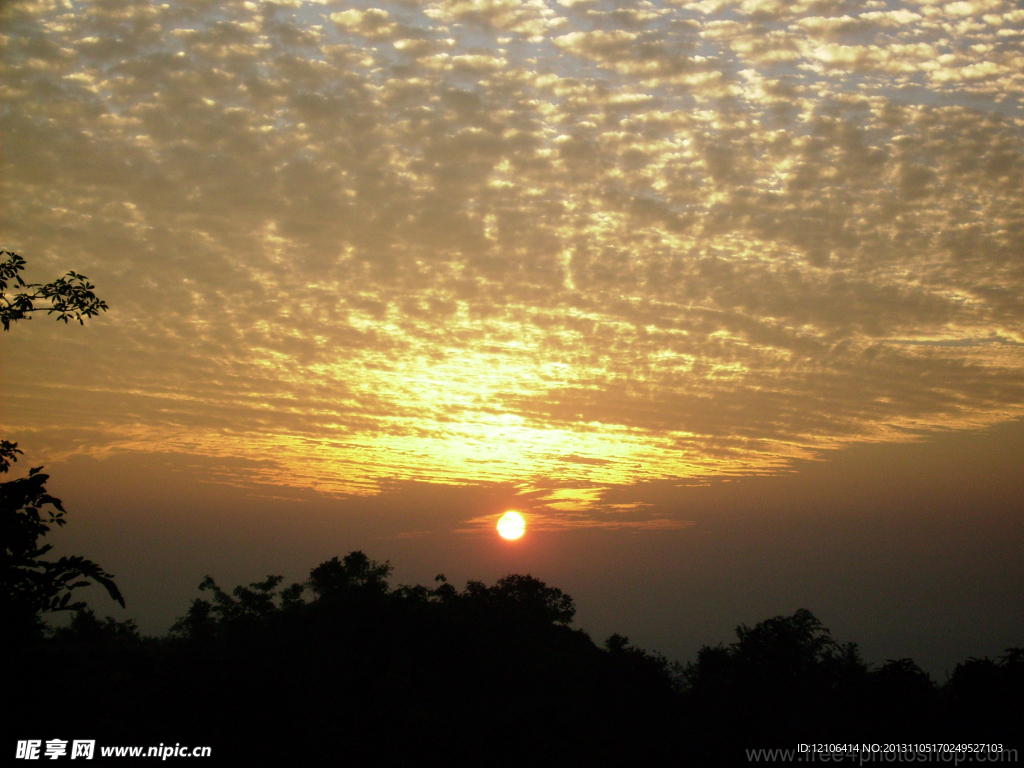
346, 670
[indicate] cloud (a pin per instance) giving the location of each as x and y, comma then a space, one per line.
530, 18
514, 241
373, 23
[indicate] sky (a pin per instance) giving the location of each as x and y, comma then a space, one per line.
725, 296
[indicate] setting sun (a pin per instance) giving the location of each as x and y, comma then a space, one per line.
511, 525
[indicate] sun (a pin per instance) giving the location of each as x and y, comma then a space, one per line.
511, 525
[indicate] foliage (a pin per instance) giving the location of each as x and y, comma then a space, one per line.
70, 296
653, 666
355, 573
783, 680
904, 679
30, 585
985, 689
524, 596
245, 606
393, 672
345, 665
8, 454
355, 580
789, 654
86, 629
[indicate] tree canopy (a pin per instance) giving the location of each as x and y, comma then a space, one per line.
31, 585
344, 667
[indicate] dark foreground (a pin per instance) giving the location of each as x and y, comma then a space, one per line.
344, 670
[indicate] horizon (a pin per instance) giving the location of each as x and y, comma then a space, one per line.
922, 563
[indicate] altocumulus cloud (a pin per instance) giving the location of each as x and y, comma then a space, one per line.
566, 244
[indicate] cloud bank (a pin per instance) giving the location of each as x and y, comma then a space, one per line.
565, 244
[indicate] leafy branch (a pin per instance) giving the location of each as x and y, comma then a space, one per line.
31, 585
70, 296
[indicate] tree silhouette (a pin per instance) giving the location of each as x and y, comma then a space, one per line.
405, 675
86, 629
29, 585
791, 655
491, 675
246, 608
783, 680
988, 694
904, 680
355, 573
525, 596
70, 296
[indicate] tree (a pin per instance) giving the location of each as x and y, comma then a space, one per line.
30, 585
353, 574
85, 630
70, 296
783, 679
523, 596
904, 681
797, 647
245, 609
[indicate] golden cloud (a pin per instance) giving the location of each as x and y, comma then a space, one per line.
464, 240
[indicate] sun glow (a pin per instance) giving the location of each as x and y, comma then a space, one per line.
511, 525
